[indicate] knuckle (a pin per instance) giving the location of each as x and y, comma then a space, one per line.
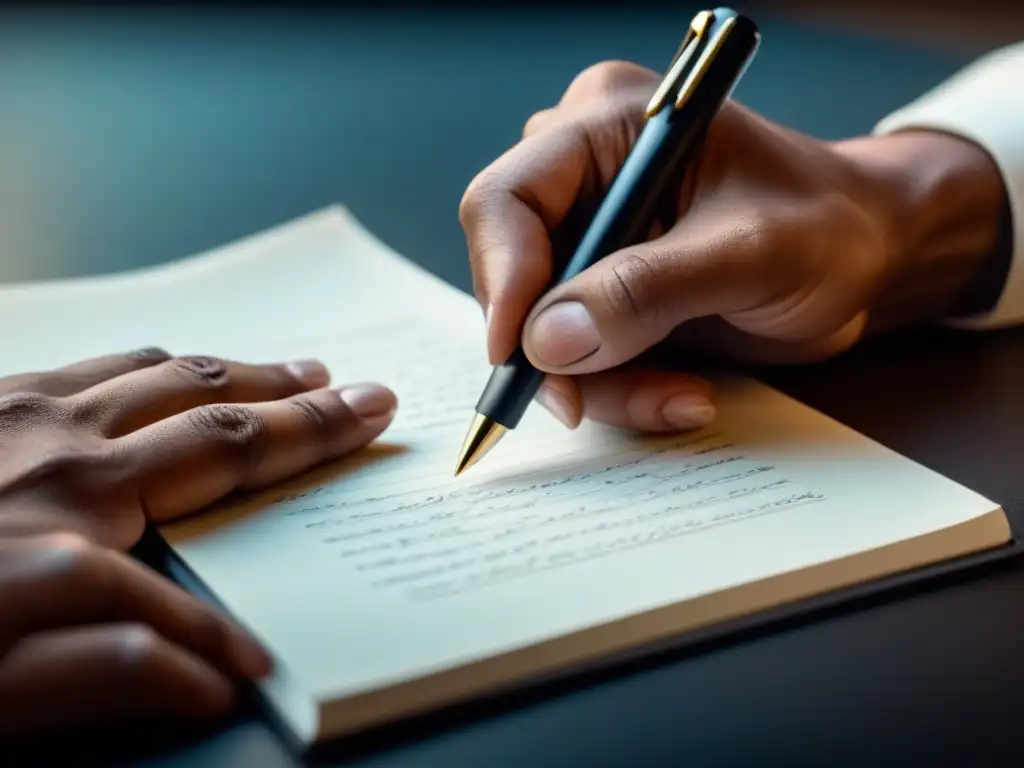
239, 429
58, 561
223, 421
630, 289
475, 198
325, 416
85, 414
536, 122
608, 76
27, 407
70, 556
69, 467
139, 649
24, 382
487, 192
67, 546
206, 372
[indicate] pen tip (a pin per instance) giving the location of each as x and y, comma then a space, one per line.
483, 434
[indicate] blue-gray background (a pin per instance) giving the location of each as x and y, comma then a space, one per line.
132, 138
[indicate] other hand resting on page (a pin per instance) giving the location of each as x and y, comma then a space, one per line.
780, 248
88, 453
90, 635
103, 445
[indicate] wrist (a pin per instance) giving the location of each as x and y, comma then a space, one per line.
940, 203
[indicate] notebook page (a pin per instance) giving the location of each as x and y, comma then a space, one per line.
383, 565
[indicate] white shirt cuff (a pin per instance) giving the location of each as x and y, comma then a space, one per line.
984, 103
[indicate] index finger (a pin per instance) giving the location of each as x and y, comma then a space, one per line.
508, 213
75, 377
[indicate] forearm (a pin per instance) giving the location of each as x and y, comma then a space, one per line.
943, 213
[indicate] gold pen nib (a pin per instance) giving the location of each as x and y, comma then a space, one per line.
483, 434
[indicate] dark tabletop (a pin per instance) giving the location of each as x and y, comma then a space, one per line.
134, 139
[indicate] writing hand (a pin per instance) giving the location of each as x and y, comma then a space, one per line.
103, 445
90, 635
784, 249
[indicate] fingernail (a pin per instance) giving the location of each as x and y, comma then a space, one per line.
556, 404
150, 353
688, 411
488, 311
369, 401
564, 333
312, 373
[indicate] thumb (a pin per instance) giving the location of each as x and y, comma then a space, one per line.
631, 300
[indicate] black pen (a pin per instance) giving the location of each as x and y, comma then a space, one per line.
712, 58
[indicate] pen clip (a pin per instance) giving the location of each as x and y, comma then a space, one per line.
681, 80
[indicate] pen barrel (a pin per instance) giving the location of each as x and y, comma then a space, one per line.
510, 390
649, 181
642, 188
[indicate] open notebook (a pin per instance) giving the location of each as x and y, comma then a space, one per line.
385, 587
